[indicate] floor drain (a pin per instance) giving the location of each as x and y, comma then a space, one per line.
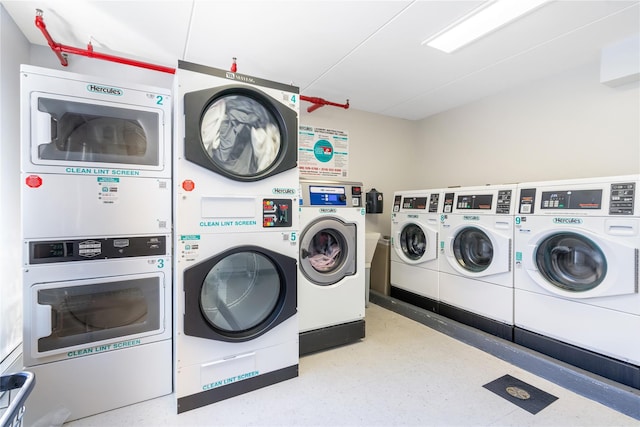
518, 393
524, 395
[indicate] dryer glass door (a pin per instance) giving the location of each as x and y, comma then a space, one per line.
67, 315
413, 242
66, 131
571, 262
240, 135
240, 292
473, 249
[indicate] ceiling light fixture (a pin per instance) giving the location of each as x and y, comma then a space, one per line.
480, 22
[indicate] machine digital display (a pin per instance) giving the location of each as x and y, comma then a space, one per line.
52, 250
327, 196
576, 199
478, 201
414, 203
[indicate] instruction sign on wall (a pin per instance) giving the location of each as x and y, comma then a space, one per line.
323, 152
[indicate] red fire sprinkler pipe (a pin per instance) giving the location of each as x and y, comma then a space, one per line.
58, 49
319, 102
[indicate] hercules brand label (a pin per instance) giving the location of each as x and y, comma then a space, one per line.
471, 218
567, 221
107, 90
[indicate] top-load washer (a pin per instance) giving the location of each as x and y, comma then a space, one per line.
476, 275
415, 224
576, 273
331, 267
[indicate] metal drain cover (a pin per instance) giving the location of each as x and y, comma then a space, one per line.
518, 393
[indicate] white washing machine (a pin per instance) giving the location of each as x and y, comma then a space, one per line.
577, 246
476, 248
331, 268
236, 234
415, 223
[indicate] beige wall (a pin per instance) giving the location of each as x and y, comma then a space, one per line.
566, 126
380, 152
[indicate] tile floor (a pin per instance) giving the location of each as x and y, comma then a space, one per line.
402, 373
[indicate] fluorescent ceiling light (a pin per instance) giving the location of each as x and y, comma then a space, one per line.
481, 22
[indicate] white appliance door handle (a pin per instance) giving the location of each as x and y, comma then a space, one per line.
42, 128
42, 321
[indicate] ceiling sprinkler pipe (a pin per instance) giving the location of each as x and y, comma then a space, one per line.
89, 52
319, 102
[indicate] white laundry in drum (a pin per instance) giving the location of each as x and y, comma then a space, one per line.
240, 135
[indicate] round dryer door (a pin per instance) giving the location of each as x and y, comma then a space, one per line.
473, 249
239, 295
571, 262
328, 251
240, 132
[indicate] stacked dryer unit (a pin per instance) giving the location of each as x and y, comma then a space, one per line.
96, 211
415, 224
236, 210
331, 267
577, 246
476, 257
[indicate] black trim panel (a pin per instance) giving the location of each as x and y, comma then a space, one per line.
616, 370
490, 326
332, 336
423, 302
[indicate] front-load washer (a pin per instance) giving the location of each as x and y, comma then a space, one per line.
331, 268
97, 323
415, 224
576, 273
476, 264
236, 315
235, 134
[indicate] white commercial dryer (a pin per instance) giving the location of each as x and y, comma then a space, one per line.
96, 223
235, 134
415, 224
331, 274
577, 246
476, 248
236, 210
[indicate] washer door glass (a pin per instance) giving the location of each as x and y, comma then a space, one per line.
473, 249
240, 135
240, 292
571, 261
413, 242
327, 251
